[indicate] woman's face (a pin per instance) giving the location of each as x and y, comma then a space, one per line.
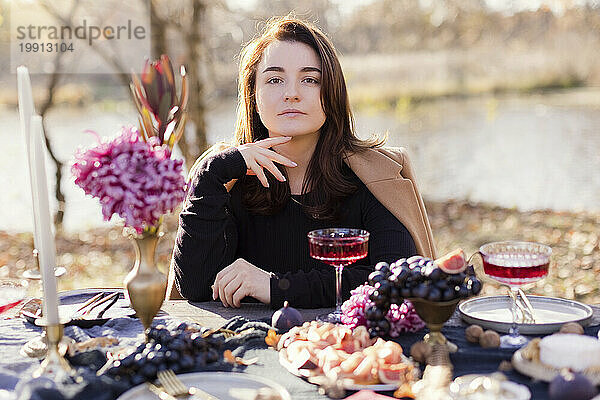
288, 89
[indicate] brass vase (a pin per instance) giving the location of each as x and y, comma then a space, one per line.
146, 285
435, 314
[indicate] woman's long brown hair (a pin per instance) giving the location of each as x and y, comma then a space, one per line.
336, 138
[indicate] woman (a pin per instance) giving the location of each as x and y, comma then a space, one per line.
243, 227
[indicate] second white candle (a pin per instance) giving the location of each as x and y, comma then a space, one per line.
41, 206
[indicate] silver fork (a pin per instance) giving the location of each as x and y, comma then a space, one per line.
175, 387
526, 314
528, 305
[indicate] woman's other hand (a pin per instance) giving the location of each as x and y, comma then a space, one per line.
258, 156
241, 279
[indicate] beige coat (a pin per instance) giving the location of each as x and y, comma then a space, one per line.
387, 173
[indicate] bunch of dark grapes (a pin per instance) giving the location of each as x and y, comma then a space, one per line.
416, 276
180, 350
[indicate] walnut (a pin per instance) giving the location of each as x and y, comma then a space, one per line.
420, 351
572, 327
489, 339
473, 332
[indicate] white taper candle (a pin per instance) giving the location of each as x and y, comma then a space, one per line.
46, 246
26, 110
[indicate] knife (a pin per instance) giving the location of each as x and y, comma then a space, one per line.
110, 304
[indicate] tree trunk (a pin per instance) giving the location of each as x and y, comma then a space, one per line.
158, 28
58, 193
193, 145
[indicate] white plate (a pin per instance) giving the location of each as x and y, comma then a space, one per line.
216, 383
380, 387
510, 390
546, 373
91, 291
493, 312
348, 384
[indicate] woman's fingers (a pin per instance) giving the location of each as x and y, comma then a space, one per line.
222, 279
230, 290
260, 174
238, 296
222, 296
273, 141
223, 283
278, 158
257, 156
268, 164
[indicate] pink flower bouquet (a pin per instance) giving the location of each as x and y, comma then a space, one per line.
132, 178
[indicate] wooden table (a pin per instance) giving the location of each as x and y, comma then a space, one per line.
213, 314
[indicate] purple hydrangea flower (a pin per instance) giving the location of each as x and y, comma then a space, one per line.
135, 179
402, 318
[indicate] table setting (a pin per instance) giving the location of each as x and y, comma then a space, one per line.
469, 359
472, 359
417, 328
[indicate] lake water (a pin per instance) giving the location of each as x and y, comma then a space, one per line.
535, 152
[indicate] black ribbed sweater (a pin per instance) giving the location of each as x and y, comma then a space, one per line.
215, 229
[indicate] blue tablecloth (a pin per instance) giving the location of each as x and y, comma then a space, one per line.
15, 369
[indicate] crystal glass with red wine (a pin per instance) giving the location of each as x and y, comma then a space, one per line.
515, 264
13, 292
338, 247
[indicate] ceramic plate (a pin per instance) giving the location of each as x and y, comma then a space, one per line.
493, 312
223, 385
543, 372
346, 383
71, 300
381, 387
509, 390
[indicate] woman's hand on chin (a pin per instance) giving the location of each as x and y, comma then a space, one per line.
258, 156
241, 279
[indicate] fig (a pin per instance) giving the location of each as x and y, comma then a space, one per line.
453, 262
286, 318
572, 386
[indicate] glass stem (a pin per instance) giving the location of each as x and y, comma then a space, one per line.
514, 329
338, 288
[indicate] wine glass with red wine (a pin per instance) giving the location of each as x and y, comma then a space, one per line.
515, 264
338, 247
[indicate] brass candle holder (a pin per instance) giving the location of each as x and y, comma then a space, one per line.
54, 363
35, 273
435, 314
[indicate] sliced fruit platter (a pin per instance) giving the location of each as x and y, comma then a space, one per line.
340, 353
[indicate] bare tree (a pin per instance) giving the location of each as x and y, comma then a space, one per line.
46, 106
193, 38
188, 21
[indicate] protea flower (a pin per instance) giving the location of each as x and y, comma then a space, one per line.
162, 113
